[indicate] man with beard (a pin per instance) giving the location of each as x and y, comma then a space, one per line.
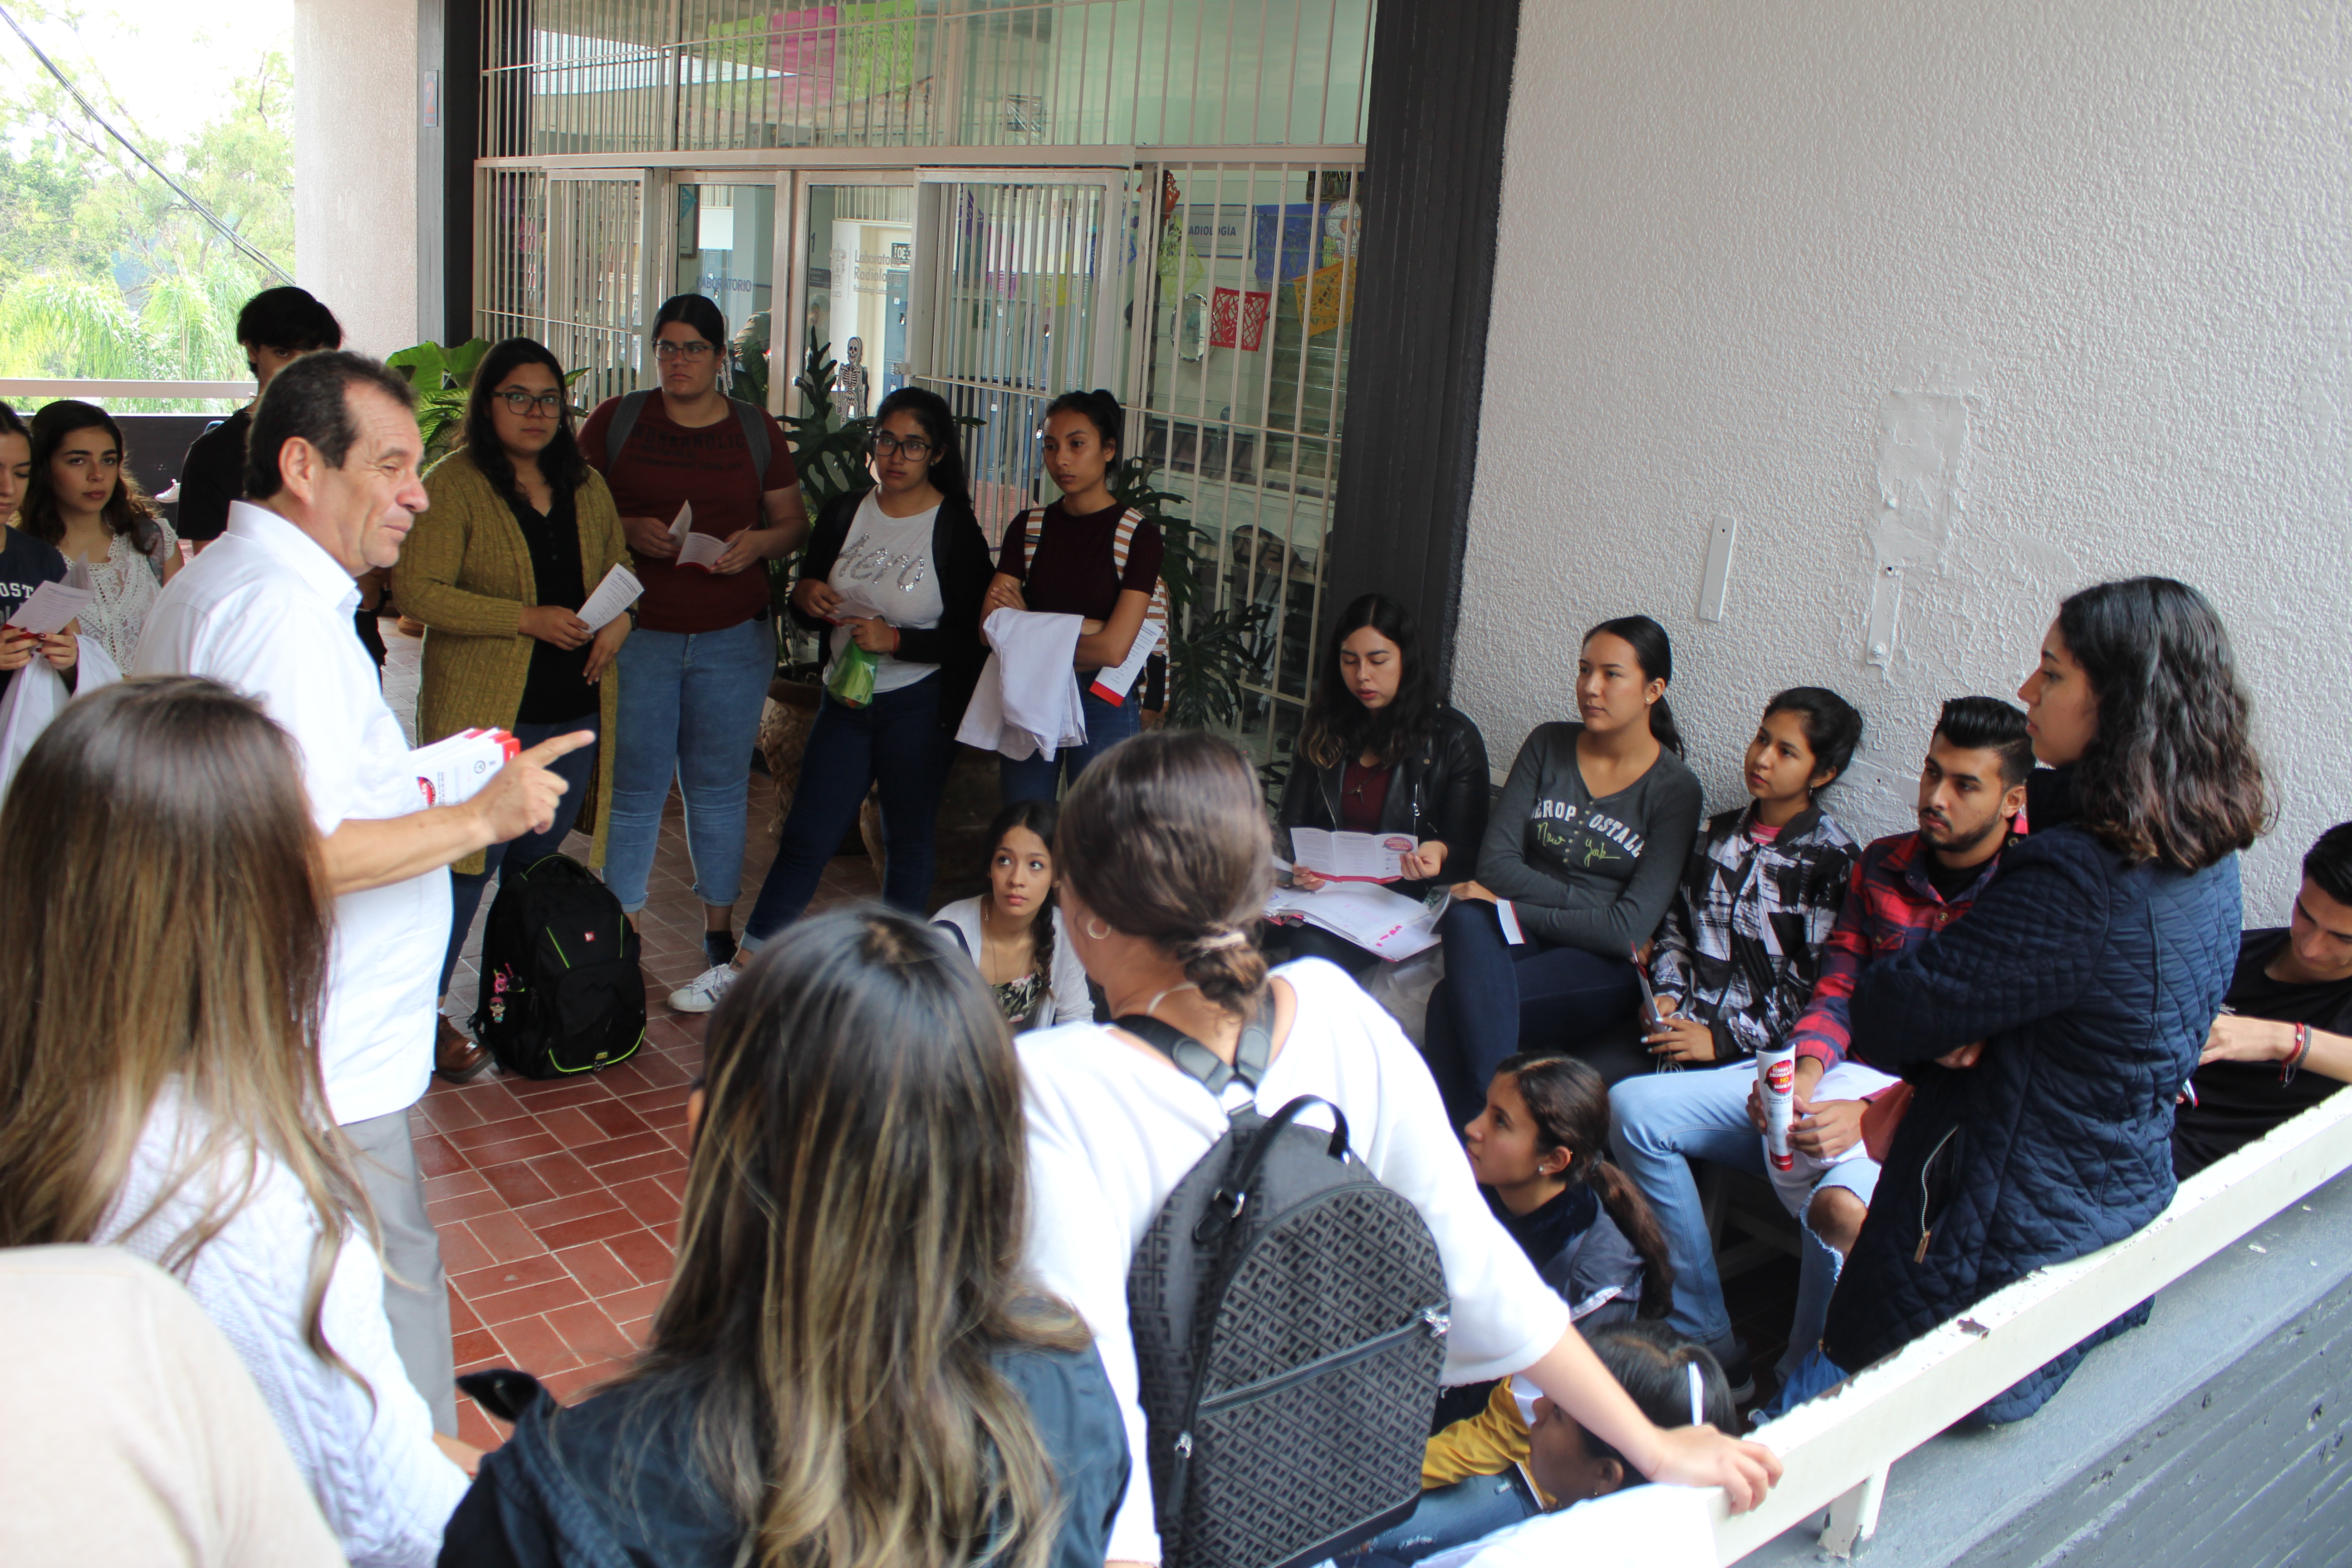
1905, 888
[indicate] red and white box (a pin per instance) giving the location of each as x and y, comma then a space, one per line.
452, 770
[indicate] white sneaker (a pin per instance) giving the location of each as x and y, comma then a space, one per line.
703, 993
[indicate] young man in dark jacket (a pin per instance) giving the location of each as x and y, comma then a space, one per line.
2283, 1041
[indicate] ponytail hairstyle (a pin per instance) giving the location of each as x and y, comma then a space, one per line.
1656, 654
1040, 818
1832, 729
1570, 1106
1164, 837
937, 420
1102, 411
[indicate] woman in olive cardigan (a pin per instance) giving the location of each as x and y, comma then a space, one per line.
520, 530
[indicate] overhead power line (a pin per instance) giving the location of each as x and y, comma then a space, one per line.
179, 190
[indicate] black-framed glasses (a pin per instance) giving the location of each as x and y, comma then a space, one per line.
885, 445
520, 402
664, 349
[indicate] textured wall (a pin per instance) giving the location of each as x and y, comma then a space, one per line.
2007, 298
355, 115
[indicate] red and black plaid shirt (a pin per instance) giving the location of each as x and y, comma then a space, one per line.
1890, 908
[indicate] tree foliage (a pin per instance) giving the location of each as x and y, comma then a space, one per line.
105, 272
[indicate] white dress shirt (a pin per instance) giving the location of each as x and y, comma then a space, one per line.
267, 611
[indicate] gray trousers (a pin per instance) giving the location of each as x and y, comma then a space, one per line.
415, 1290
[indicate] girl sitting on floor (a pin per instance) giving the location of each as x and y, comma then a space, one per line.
1014, 931
1538, 1151
1504, 1465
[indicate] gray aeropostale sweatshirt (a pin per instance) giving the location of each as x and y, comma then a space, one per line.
1581, 871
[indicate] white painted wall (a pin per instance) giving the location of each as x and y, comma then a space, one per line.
355, 117
2019, 294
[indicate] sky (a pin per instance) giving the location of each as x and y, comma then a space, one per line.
168, 60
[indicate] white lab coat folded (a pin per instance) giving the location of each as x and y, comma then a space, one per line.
1027, 702
35, 697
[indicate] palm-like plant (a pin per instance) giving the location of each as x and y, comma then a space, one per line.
443, 378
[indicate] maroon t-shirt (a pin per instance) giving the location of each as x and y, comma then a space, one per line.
1069, 570
663, 465
1363, 795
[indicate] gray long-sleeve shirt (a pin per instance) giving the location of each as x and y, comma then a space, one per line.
1581, 871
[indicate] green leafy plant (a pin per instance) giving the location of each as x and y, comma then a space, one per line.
1210, 654
441, 378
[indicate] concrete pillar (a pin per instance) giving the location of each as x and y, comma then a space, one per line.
356, 109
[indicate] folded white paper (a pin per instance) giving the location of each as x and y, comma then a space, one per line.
1374, 918
614, 594
702, 550
1351, 857
51, 609
1112, 685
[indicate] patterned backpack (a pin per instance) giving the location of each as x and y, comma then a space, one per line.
1289, 1313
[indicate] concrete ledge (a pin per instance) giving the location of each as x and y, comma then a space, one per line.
2212, 1435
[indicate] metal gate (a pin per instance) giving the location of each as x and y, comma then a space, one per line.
1019, 305
561, 258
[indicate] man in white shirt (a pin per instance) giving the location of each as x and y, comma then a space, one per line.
331, 466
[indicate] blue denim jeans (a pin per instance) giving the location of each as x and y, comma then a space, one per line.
1108, 723
1496, 1000
1658, 1124
689, 710
895, 740
575, 769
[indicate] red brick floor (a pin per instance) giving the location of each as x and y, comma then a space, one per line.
558, 1203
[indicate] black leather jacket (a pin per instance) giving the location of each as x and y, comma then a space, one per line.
1439, 793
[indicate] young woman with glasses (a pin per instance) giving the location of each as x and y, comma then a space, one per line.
695, 671
897, 572
521, 532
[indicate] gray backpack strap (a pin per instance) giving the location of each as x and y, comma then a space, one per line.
753, 419
624, 419
1251, 1053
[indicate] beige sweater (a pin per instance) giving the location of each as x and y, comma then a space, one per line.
466, 573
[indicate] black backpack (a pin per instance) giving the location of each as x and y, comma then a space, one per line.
562, 992
1289, 1313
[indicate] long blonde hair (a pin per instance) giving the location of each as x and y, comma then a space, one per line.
850, 1256
166, 923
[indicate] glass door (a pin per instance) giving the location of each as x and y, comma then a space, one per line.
856, 254
723, 244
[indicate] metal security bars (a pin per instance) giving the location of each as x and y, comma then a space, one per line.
1245, 301
572, 77
560, 259
1021, 268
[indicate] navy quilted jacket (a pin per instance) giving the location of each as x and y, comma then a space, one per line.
2092, 986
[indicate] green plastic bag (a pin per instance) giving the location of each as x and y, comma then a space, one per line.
852, 680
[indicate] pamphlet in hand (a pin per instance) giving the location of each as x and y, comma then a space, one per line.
454, 769
1351, 857
1373, 918
51, 609
615, 593
701, 550
1113, 685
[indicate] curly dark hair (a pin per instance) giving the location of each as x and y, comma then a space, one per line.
560, 463
1338, 727
2172, 775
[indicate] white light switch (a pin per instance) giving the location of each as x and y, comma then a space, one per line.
1717, 576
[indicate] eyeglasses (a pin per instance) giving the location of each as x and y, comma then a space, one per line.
520, 402
665, 349
885, 445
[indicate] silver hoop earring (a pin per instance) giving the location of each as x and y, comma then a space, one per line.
1102, 935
